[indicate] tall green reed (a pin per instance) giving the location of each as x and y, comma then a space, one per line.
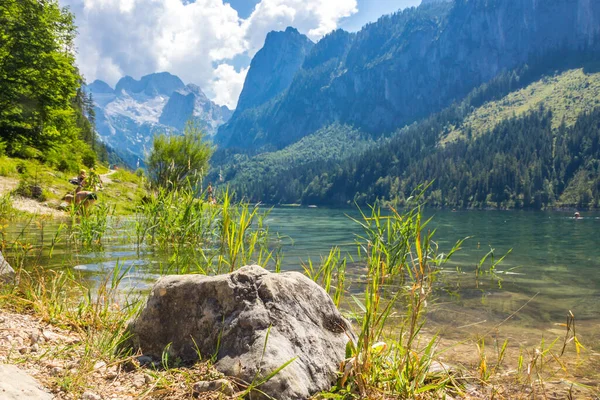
202, 237
402, 260
89, 225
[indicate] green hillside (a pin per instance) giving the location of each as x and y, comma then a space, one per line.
250, 175
526, 139
567, 94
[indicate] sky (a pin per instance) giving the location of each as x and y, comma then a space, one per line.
206, 42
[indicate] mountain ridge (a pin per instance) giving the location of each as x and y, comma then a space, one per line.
410, 64
128, 117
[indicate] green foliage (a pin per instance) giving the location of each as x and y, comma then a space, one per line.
179, 160
43, 108
523, 140
38, 77
259, 177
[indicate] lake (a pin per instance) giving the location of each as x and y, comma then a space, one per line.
554, 267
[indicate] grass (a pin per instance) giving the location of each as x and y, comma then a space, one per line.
392, 356
122, 190
567, 95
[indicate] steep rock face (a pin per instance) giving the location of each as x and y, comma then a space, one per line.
129, 116
413, 63
273, 68
191, 103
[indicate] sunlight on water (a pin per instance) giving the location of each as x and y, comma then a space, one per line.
554, 265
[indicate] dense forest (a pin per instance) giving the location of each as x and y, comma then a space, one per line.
44, 113
524, 161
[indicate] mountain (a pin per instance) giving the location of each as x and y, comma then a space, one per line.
271, 72
529, 138
128, 116
409, 65
273, 67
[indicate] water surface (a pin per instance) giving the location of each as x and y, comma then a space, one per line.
554, 266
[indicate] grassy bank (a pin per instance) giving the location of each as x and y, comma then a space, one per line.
395, 356
121, 189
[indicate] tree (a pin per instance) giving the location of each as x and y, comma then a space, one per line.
38, 77
176, 160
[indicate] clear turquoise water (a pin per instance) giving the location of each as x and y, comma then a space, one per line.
554, 265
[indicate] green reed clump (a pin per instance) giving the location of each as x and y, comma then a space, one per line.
89, 226
202, 237
330, 273
387, 358
7, 210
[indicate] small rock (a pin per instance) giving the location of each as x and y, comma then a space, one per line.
144, 360
56, 371
7, 274
2, 320
23, 350
220, 385
148, 379
90, 396
139, 382
34, 337
111, 373
35, 348
99, 365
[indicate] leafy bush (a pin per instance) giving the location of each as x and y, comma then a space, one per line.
177, 160
88, 158
31, 189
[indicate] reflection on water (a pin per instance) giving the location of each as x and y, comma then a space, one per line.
554, 266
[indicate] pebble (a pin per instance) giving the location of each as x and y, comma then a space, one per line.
99, 365
111, 373
35, 348
220, 385
139, 382
56, 371
34, 337
90, 396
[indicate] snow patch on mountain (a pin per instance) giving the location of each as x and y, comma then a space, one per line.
128, 117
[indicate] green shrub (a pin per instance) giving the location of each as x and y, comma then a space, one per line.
179, 160
88, 158
31, 189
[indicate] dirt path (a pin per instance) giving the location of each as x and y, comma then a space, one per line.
7, 185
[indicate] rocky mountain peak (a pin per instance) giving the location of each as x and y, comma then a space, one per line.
162, 83
99, 86
274, 66
129, 116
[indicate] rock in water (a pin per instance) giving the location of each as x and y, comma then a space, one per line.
7, 273
18, 385
232, 316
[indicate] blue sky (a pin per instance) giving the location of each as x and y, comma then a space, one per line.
368, 10
206, 42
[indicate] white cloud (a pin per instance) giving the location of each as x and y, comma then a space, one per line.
196, 41
227, 85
